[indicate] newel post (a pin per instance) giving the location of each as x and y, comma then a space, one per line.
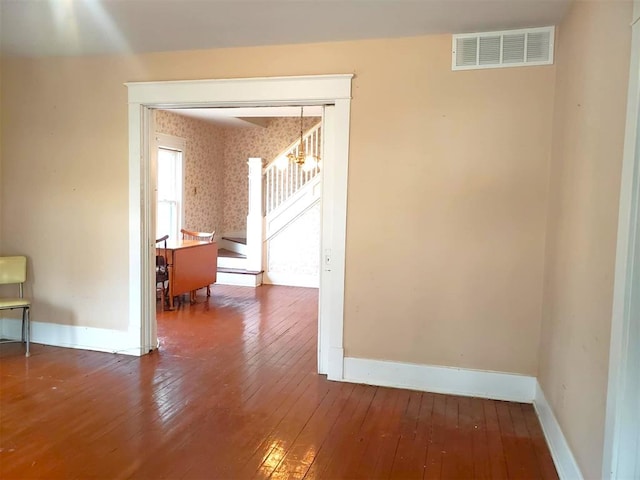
254, 216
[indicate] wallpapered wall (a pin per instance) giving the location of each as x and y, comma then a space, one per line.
204, 163
216, 183
243, 143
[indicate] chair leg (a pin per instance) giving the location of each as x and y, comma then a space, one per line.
208, 290
25, 315
162, 298
166, 305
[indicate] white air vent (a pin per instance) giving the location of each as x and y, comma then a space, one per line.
509, 48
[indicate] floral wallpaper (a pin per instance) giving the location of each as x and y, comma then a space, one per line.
204, 164
215, 190
296, 249
243, 143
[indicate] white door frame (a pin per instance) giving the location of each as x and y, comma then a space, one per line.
622, 424
308, 90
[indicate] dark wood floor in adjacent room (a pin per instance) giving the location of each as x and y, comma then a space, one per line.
233, 393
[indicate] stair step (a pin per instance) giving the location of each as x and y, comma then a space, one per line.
239, 271
233, 244
241, 240
239, 277
223, 252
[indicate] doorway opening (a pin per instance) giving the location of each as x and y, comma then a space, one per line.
240, 183
328, 90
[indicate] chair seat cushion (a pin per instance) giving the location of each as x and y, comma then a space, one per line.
14, 303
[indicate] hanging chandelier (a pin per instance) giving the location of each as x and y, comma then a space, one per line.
302, 158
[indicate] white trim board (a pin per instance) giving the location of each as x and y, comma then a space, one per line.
448, 380
621, 454
256, 91
72, 336
232, 262
563, 458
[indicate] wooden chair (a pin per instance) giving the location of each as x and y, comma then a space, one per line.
13, 270
162, 272
203, 237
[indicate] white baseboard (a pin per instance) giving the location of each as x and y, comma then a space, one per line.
72, 336
292, 279
454, 381
335, 363
563, 458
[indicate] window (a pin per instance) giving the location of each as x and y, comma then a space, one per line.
169, 196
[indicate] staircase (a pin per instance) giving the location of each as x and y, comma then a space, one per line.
283, 204
232, 262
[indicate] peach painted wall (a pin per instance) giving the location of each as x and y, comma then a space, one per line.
452, 167
65, 195
593, 49
204, 169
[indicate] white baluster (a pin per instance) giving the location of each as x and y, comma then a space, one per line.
282, 183
267, 186
268, 189
290, 180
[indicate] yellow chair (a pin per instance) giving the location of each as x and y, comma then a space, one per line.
14, 270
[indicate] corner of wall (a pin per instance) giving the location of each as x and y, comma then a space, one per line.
562, 455
580, 242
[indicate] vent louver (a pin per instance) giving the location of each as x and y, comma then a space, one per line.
509, 48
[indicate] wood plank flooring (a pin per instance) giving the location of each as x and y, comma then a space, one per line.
233, 393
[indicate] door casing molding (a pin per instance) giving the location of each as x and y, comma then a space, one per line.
143, 97
622, 421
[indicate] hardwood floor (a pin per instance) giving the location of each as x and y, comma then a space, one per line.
232, 393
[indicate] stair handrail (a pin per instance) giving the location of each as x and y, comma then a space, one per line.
283, 178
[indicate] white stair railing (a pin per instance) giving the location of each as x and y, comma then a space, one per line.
283, 178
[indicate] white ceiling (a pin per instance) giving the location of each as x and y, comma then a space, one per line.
81, 27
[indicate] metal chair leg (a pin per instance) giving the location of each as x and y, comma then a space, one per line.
26, 327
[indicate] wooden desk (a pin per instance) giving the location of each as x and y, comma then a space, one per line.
192, 265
